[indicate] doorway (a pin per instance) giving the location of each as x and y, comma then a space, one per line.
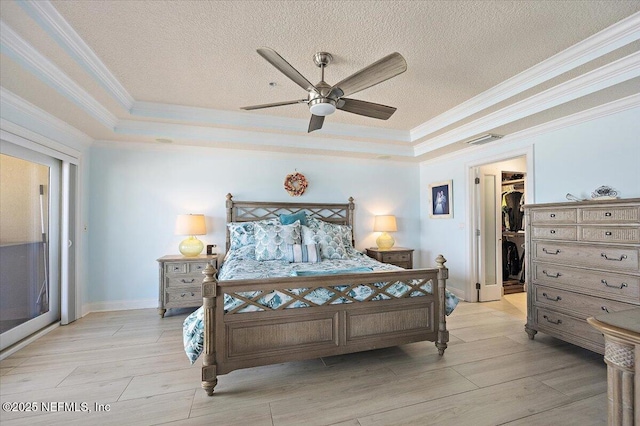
499, 194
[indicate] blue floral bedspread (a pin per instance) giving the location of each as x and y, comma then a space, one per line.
241, 264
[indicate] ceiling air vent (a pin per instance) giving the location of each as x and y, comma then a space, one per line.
489, 137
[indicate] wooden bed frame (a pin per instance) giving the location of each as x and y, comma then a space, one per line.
235, 340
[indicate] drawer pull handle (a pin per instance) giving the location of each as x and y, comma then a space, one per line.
556, 299
188, 282
608, 233
552, 321
553, 231
184, 294
176, 268
556, 275
608, 214
622, 257
552, 215
604, 308
544, 249
621, 286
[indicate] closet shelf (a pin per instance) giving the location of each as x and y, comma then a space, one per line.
512, 182
513, 233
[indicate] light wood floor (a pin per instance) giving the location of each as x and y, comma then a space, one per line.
132, 362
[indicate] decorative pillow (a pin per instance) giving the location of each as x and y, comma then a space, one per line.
329, 240
288, 219
303, 253
272, 239
241, 233
345, 231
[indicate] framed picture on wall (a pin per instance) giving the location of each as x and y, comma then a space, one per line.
441, 200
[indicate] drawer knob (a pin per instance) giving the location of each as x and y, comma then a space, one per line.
552, 321
553, 231
608, 233
604, 308
620, 259
188, 282
608, 214
556, 251
553, 299
556, 275
552, 215
606, 284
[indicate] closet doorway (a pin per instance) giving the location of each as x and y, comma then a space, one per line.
499, 228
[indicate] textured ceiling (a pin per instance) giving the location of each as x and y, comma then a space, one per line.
203, 54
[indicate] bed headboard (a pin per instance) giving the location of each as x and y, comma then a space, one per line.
247, 211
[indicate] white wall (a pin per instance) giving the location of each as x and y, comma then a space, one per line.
136, 192
575, 159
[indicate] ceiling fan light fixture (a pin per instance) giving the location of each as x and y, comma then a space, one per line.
322, 107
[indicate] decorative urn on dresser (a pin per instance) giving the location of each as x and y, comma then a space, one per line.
583, 260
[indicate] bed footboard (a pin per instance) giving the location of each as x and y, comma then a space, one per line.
252, 333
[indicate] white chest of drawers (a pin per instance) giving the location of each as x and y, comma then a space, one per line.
181, 278
583, 260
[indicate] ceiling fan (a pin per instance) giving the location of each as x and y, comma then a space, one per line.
323, 99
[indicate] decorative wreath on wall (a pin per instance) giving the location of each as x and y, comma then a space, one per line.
295, 184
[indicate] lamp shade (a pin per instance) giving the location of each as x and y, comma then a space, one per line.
190, 224
386, 223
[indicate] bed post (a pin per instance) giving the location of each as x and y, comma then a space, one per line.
229, 205
443, 334
209, 285
350, 222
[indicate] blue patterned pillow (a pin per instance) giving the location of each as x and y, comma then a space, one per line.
303, 253
288, 219
345, 231
328, 238
272, 239
241, 233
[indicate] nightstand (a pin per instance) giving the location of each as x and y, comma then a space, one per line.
398, 256
181, 278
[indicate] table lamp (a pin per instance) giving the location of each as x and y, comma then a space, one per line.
191, 225
384, 224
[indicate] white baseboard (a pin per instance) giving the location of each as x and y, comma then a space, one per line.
120, 305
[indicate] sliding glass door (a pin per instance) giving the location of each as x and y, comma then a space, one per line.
29, 242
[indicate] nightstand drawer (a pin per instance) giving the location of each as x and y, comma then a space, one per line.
176, 268
395, 257
189, 297
197, 268
190, 280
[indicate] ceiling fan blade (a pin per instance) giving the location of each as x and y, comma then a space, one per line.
368, 109
387, 67
275, 104
285, 68
315, 123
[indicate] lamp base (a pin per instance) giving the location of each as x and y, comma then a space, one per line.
385, 241
191, 247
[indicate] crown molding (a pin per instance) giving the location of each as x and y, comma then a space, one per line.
25, 54
15, 111
608, 75
203, 134
590, 114
620, 34
59, 29
263, 122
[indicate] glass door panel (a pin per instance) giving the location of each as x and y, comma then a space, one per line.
29, 283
